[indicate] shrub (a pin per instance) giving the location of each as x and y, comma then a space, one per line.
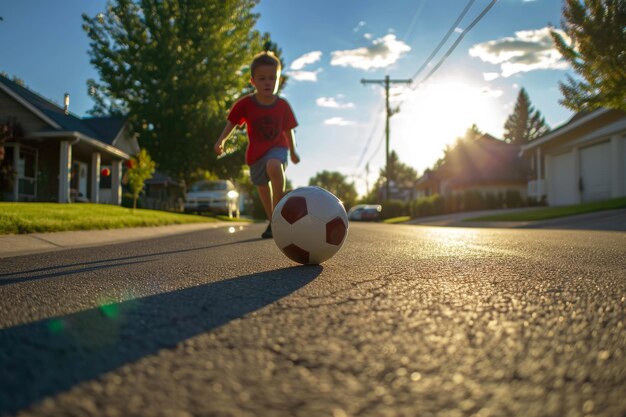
394, 208
427, 206
513, 199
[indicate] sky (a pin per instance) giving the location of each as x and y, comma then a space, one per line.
329, 47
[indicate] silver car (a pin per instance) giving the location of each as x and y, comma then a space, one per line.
365, 212
217, 196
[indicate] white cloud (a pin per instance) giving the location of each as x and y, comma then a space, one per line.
338, 121
528, 50
304, 75
458, 30
306, 59
382, 53
359, 26
489, 92
330, 102
490, 76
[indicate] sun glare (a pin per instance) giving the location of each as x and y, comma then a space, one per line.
434, 115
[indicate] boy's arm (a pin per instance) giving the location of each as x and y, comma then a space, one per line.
291, 139
219, 144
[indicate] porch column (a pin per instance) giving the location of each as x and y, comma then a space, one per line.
65, 171
540, 180
116, 182
16, 167
95, 177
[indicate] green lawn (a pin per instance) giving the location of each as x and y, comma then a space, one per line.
16, 218
547, 213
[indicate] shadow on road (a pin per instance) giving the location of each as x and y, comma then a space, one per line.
51, 356
66, 269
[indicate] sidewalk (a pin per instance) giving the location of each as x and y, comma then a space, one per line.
607, 220
15, 245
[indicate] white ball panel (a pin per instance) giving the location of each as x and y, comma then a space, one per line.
308, 233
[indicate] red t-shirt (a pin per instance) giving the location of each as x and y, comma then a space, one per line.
265, 124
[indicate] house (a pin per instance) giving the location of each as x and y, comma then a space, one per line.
583, 160
52, 155
485, 165
162, 192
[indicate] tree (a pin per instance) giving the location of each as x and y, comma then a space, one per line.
140, 168
597, 52
472, 133
525, 123
336, 183
174, 67
400, 174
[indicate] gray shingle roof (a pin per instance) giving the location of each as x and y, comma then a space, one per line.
104, 129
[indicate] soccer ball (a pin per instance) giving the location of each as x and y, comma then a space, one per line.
309, 225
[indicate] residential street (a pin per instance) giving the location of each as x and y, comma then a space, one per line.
406, 320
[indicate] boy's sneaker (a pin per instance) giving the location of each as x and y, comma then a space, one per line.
268, 232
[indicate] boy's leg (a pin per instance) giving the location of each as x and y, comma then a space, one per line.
276, 173
265, 194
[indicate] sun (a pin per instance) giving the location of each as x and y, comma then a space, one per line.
434, 115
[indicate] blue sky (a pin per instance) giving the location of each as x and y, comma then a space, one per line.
328, 47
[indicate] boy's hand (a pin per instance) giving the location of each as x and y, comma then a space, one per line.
218, 148
295, 158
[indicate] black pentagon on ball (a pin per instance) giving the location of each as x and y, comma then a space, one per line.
335, 231
296, 254
294, 209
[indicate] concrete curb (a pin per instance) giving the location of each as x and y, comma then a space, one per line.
15, 245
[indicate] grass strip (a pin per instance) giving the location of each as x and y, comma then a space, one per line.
548, 213
19, 218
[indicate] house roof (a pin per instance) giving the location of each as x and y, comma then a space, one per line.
484, 160
103, 129
574, 122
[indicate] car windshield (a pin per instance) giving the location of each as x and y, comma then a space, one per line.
209, 186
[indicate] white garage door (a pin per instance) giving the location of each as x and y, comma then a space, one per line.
563, 187
595, 172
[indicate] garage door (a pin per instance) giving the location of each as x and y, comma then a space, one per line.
562, 182
595, 172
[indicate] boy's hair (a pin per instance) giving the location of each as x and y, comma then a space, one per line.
265, 58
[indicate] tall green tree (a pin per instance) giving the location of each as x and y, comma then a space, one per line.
173, 67
596, 51
525, 123
336, 183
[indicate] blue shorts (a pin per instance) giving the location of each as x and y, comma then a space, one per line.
258, 171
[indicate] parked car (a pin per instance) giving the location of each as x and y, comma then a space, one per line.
365, 212
217, 196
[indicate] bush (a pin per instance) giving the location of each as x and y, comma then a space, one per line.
513, 199
394, 208
427, 206
472, 200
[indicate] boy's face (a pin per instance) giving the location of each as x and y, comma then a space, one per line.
265, 80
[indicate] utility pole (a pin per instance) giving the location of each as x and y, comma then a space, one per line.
386, 82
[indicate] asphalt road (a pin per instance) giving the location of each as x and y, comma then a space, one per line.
403, 321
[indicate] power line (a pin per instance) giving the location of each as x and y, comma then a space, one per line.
456, 43
445, 38
369, 139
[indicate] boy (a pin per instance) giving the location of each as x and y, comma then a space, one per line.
269, 122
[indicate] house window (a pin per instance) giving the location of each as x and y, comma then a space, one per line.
27, 173
6, 173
